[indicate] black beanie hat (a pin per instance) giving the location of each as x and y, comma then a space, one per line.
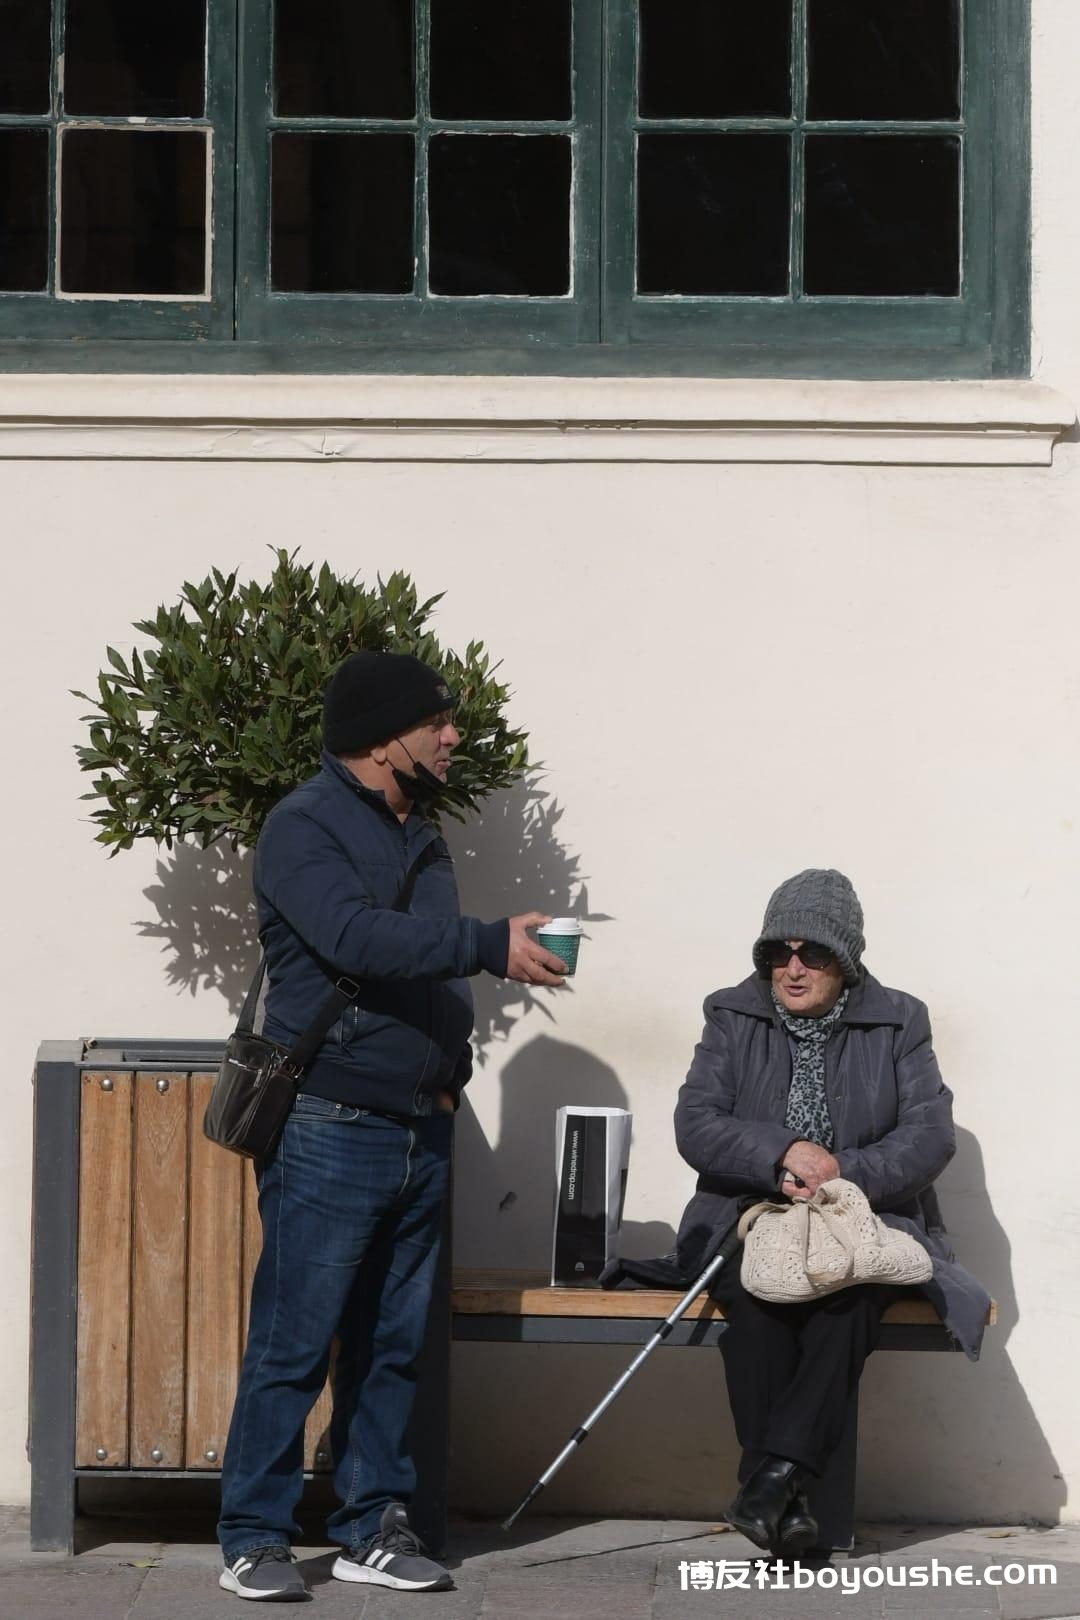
374, 695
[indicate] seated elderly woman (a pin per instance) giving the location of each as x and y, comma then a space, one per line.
807, 1071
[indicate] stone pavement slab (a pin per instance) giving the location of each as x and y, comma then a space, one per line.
1040, 1603
383, 1605
533, 1541
944, 1611
583, 1569
68, 1591
759, 1606
513, 1596
548, 1569
190, 1593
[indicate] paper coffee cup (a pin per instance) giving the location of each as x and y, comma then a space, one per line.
562, 937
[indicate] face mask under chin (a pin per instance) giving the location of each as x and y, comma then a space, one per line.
421, 788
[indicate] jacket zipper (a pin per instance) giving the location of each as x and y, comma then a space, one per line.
418, 1089
381, 805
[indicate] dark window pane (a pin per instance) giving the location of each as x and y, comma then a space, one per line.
713, 214
883, 215
341, 213
500, 58
884, 58
132, 58
24, 210
25, 55
500, 214
133, 211
344, 59
712, 59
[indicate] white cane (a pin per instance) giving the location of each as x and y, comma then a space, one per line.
729, 1246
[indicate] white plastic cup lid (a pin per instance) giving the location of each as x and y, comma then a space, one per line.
561, 925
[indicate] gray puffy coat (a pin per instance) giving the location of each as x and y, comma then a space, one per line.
891, 1114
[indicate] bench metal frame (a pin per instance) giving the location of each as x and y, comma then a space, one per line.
832, 1498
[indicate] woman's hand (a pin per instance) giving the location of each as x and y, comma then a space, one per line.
811, 1164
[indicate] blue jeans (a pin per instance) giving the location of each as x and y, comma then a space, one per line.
351, 1206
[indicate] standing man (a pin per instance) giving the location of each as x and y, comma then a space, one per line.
351, 878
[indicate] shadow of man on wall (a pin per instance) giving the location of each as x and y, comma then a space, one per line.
512, 858
505, 1188
509, 858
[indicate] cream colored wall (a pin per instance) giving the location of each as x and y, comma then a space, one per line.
730, 672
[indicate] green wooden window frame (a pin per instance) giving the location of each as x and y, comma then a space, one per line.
46, 316
605, 327
421, 317
835, 329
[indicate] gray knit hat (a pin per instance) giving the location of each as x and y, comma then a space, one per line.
820, 906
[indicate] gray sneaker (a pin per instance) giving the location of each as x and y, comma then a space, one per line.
393, 1556
267, 1574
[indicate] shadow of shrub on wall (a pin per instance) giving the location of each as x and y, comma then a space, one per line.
205, 920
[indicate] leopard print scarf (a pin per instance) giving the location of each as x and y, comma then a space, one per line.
808, 1108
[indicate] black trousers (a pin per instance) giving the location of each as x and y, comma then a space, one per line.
791, 1368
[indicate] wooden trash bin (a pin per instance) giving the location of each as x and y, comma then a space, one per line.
145, 1239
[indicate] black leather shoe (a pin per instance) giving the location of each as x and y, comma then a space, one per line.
798, 1529
761, 1504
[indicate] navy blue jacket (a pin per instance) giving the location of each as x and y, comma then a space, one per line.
329, 865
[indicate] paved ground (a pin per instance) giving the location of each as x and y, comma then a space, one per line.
561, 1569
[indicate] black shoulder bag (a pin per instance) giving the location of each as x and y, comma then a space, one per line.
258, 1080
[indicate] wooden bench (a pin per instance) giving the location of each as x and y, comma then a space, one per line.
145, 1237
509, 1307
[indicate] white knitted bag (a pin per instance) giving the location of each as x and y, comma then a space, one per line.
803, 1249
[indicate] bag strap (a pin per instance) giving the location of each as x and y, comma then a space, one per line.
835, 1225
750, 1215
245, 1024
345, 991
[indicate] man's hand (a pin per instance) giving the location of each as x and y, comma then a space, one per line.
526, 960
444, 1102
812, 1165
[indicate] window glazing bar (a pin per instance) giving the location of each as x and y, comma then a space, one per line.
470, 126
421, 231
798, 147
92, 121
275, 122
839, 126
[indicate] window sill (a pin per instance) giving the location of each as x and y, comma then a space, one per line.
525, 419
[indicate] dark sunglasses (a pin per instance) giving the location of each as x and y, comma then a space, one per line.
778, 954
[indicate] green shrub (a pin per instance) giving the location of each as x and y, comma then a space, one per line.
201, 734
